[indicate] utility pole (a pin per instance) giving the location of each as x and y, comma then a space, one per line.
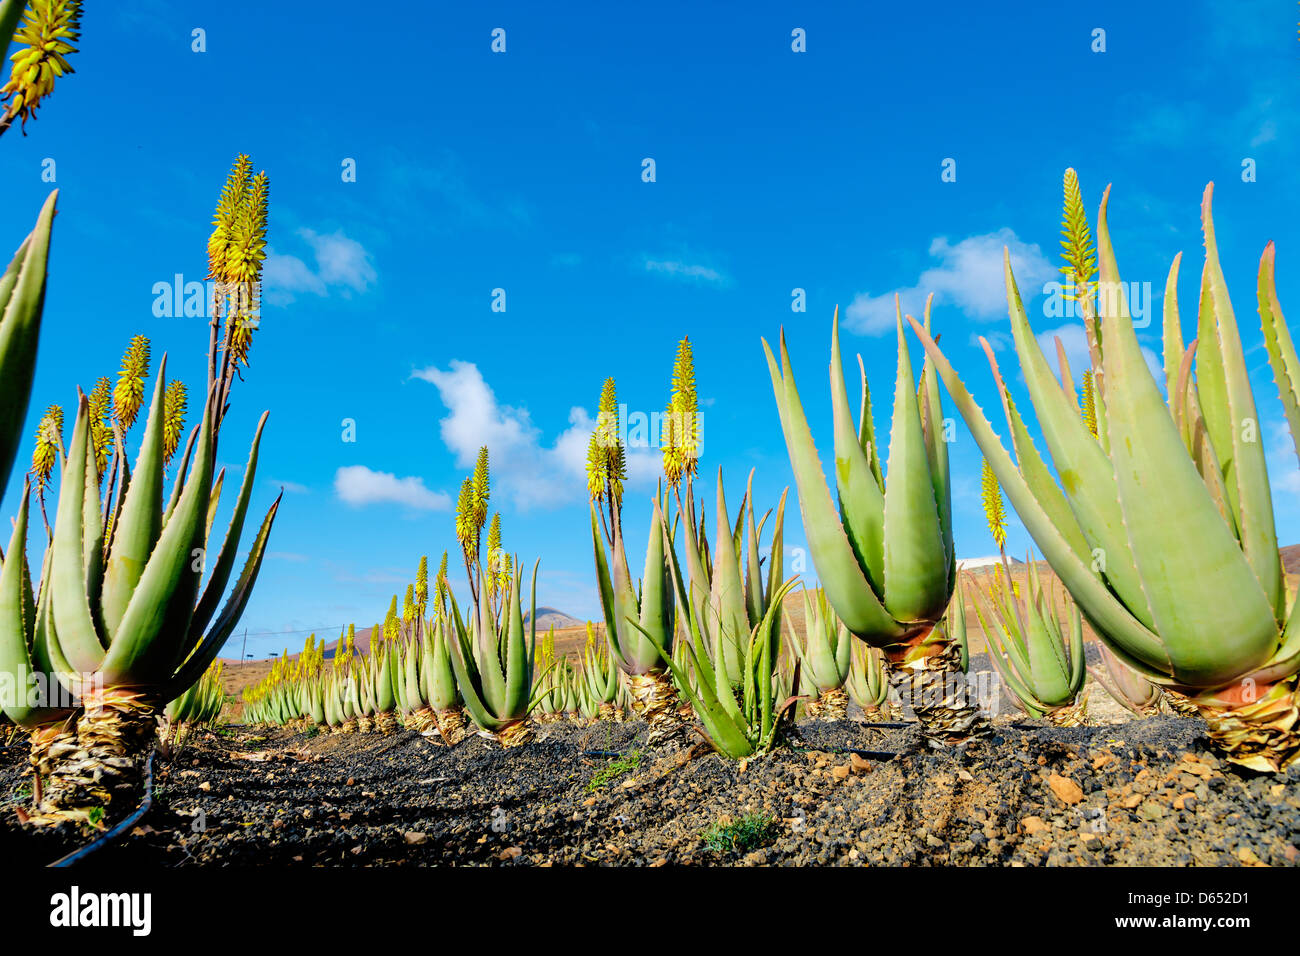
244, 650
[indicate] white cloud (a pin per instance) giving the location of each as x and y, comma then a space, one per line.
969, 276
526, 470
342, 264
358, 485
685, 270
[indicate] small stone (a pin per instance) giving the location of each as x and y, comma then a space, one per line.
1131, 801
509, 853
1065, 789
840, 772
205, 786
859, 763
1151, 812
351, 782
1032, 825
1246, 855
415, 837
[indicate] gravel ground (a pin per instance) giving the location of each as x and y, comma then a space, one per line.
1138, 793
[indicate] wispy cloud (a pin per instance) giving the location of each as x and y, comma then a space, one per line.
1283, 467
342, 265
358, 485
685, 270
287, 556
290, 487
527, 470
968, 276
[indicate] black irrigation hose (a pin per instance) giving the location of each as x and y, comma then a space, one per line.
77, 856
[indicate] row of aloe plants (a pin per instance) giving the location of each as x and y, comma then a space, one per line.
1194, 611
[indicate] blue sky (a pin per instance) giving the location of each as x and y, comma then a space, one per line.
522, 171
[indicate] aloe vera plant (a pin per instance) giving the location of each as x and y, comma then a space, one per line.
493, 663
867, 684
738, 722
640, 622
885, 559
1162, 528
127, 627
1040, 661
1038, 655
825, 657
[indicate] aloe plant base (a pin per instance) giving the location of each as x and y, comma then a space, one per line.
654, 700
1260, 735
451, 726
831, 705
104, 762
1074, 714
935, 685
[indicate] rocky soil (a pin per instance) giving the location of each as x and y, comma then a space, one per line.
1137, 793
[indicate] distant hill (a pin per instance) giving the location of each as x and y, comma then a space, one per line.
549, 617
1291, 558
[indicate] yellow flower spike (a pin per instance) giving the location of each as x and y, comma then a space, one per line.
1090, 402
681, 429
49, 29
465, 529
422, 583
174, 403
1076, 248
49, 441
128, 394
994, 511
481, 490
101, 422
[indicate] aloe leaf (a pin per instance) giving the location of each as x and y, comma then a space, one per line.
1198, 583
11, 12
221, 568
656, 613
1211, 386
727, 600
1281, 349
518, 682
78, 639
1105, 611
1172, 337
605, 588
182, 471
22, 300
1035, 472
16, 624
139, 523
1067, 377
862, 504
154, 631
932, 423
847, 588
93, 548
916, 567
214, 501
1255, 500
1087, 476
